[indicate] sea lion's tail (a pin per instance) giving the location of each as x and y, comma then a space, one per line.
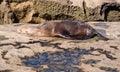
101, 36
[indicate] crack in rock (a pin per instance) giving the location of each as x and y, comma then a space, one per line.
114, 47
109, 69
91, 61
3, 55
7, 70
105, 52
2, 37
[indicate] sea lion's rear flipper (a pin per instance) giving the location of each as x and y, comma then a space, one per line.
101, 35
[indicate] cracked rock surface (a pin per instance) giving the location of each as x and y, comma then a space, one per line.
23, 53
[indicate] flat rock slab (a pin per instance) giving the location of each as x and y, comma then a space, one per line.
23, 53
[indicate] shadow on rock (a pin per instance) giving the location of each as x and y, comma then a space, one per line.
57, 61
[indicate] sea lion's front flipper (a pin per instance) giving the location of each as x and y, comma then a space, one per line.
66, 35
101, 35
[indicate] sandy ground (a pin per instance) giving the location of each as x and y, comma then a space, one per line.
22, 53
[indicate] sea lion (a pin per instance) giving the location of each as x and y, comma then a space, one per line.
62, 28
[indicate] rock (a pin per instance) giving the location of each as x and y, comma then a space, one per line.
16, 1
38, 11
23, 11
19, 52
14, 55
82, 10
6, 15
89, 3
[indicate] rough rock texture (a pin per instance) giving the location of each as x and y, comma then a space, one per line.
82, 10
23, 11
5, 13
23, 53
37, 11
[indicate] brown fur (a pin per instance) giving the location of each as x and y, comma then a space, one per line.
63, 28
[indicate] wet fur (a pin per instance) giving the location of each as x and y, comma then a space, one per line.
62, 28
